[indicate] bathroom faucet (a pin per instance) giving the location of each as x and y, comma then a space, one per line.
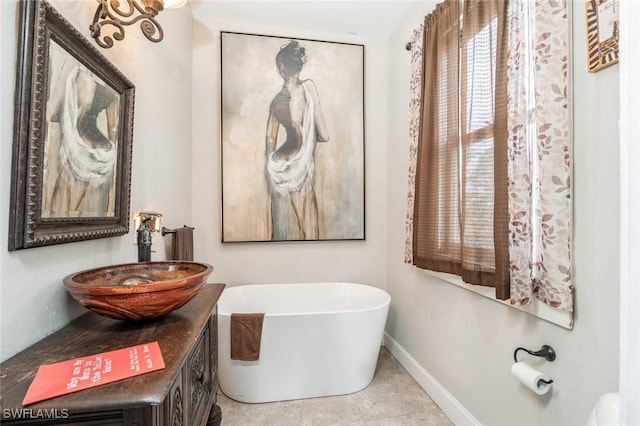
144, 242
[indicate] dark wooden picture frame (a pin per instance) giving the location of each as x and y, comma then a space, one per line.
73, 131
292, 139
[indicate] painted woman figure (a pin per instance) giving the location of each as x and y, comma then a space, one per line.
290, 161
81, 146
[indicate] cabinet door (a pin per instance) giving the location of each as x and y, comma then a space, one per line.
175, 410
198, 370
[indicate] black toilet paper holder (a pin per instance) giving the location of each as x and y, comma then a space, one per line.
545, 352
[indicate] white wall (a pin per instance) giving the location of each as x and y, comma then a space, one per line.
630, 203
241, 263
465, 342
33, 302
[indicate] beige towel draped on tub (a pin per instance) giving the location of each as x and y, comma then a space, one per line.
246, 333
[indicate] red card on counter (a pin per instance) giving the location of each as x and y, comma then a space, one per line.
90, 371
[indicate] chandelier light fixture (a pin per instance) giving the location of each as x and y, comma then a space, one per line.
111, 13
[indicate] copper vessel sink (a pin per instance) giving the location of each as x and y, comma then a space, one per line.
138, 291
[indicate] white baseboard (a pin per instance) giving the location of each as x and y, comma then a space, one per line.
456, 412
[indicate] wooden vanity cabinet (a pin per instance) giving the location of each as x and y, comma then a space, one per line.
183, 393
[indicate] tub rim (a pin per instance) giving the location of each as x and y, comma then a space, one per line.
374, 307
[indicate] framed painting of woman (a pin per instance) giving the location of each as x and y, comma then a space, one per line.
292, 139
72, 136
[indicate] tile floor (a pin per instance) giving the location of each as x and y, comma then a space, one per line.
392, 398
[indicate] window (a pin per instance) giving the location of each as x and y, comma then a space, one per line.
491, 166
460, 215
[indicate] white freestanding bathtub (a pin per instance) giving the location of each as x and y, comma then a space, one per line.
318, 339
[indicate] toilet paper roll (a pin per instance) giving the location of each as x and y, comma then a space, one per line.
530, 377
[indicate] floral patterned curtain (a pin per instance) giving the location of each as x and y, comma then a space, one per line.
415, 89
540, 206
